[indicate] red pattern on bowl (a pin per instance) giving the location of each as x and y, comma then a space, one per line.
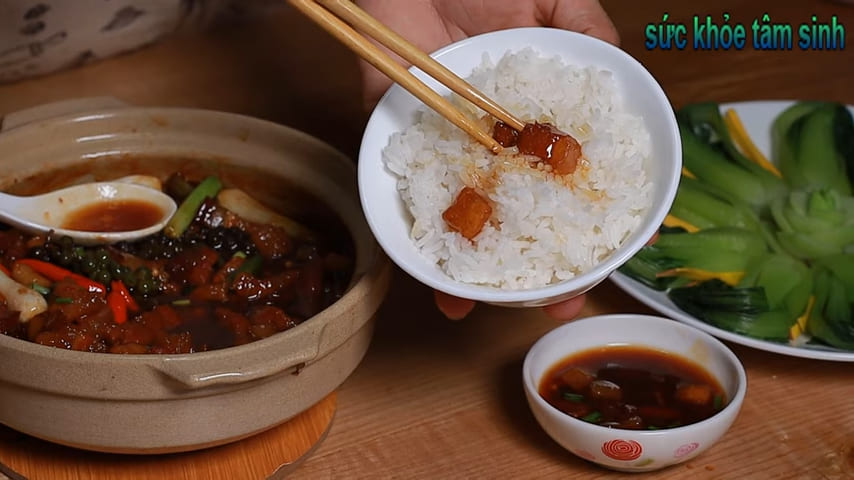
685, 449
625, 450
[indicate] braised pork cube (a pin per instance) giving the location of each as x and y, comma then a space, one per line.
504, 134
556, 148
468, 214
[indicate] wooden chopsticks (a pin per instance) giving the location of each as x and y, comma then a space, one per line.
324, 12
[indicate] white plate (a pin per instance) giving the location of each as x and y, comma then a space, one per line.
757, 118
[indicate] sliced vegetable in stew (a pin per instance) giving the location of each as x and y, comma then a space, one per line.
216, 277
633, 388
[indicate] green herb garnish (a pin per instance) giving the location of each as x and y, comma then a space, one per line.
41, 289
592, 417
573, 397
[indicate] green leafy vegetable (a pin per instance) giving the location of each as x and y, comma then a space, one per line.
814, 224
812, 142
740, 310
706, 207
765, 304
832, 316
767, 257
709, 153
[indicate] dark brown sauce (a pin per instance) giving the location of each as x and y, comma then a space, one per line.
632, 388
190, 298
114, 216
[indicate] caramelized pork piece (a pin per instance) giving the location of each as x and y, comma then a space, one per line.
194, 266
504, 134
75, 301
556, 148
468, 214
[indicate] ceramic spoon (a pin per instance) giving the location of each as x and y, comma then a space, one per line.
51, 211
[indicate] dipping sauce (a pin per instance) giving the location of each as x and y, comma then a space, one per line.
632, 388
114, 216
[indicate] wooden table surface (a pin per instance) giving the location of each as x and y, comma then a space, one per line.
441, 399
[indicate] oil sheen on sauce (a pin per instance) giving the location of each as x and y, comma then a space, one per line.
632, 387
114, 216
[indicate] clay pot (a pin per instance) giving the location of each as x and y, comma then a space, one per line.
171, 403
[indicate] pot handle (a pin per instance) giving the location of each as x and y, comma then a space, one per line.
55, 109
236, 365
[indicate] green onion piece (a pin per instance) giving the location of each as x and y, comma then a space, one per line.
251, 265
186, 212
652, 427
63, 300
239, 254
40, 289
184, 302
592, 417
573, 397
718, 402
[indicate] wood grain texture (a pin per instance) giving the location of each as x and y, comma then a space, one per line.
440, 399
268, 453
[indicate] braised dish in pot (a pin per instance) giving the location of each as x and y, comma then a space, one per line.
227, 270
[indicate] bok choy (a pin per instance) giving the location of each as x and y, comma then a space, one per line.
764, 304
832, 316
757, 247
814, 145
814, 224
709, 153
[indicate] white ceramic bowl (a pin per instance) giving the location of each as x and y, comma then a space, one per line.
633, 450
391, 223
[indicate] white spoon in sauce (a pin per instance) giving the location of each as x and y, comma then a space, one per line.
91, 213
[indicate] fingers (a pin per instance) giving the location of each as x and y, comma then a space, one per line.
418, 22
374, 85
584, 16
454, 308
567, 310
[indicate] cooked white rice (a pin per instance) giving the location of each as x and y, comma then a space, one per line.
544, 228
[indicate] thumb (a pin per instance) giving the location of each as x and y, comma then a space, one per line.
583, 16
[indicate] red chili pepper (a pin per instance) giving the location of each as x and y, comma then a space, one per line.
57, 273
119, 286
118, 306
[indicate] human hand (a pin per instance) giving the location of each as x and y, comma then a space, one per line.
456, 308
432, 24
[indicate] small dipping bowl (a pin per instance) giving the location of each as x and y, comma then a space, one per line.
633, 450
